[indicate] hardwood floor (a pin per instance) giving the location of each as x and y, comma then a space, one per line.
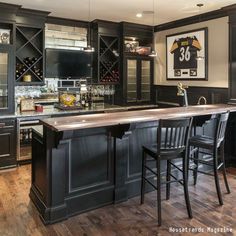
19, 217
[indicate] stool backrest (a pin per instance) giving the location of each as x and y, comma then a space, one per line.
173, 133
221, 127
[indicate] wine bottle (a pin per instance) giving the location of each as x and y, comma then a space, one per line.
86, 101
83, 101
90, 101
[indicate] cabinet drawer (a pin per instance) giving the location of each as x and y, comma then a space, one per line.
7, 123
5, 140
7, 143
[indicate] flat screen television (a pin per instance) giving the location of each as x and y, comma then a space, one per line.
61, 63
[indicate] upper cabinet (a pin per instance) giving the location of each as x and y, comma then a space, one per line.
6, 65
136, 65
136, 39
106, 59
29, 55
29, 63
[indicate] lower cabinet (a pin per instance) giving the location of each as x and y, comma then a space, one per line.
7, 143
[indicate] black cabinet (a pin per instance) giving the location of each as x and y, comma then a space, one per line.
6, 69
30, 47
138, 74
8, 143
137, 67
108, 59
29, 54
106, 41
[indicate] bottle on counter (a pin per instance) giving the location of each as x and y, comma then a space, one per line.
77, 99
90, 100
83, 100
86, 101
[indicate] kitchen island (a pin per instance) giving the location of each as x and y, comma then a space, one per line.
84, 162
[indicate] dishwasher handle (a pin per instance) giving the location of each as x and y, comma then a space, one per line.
29, 122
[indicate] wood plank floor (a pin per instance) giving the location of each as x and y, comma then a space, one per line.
19, 217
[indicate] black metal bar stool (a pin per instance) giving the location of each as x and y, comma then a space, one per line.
211, 145
172, 141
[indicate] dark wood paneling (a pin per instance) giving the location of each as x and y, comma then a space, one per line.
8, 12
169, 94
90, 166
31, 17
66, 22
132, 30
103, 27
39, 165
232, 56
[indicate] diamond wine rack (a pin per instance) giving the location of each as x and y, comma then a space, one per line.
29, 55
109, 59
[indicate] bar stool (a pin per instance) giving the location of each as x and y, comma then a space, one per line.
172, 141
211, 145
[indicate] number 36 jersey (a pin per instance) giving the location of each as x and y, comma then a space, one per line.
185, 52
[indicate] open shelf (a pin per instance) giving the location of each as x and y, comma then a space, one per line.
29, 54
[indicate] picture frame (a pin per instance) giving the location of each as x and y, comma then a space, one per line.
187, 55
27, 104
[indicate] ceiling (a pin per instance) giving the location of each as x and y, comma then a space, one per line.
123, 10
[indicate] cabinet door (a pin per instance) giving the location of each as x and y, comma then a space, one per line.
232, 63
131, 80
7, 148
145, 80
6, 73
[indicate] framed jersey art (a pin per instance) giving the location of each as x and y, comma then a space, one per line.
186, 56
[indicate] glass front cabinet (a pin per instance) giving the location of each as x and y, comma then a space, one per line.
139, 80
6, 73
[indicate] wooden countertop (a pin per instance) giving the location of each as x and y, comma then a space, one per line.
127, 117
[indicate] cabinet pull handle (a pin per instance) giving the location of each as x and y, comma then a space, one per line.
2, 125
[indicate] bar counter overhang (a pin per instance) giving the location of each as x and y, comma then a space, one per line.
85, 162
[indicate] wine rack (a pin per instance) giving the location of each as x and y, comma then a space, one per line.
109, 59
29, 54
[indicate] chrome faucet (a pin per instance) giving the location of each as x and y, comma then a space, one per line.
201, 98
182, 92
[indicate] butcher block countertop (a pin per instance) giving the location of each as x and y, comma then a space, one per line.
128, 117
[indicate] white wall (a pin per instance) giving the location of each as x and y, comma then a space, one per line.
218, 38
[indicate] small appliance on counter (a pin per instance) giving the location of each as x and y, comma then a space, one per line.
73, 100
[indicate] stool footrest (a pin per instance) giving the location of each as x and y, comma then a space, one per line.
176, 180
147, 167
202, 161
150, 183
176, 167
202, 172
220, 165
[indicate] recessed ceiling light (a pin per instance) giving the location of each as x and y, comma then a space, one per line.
139, 15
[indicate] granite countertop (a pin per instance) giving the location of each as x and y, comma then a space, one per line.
97, 108
127, 117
